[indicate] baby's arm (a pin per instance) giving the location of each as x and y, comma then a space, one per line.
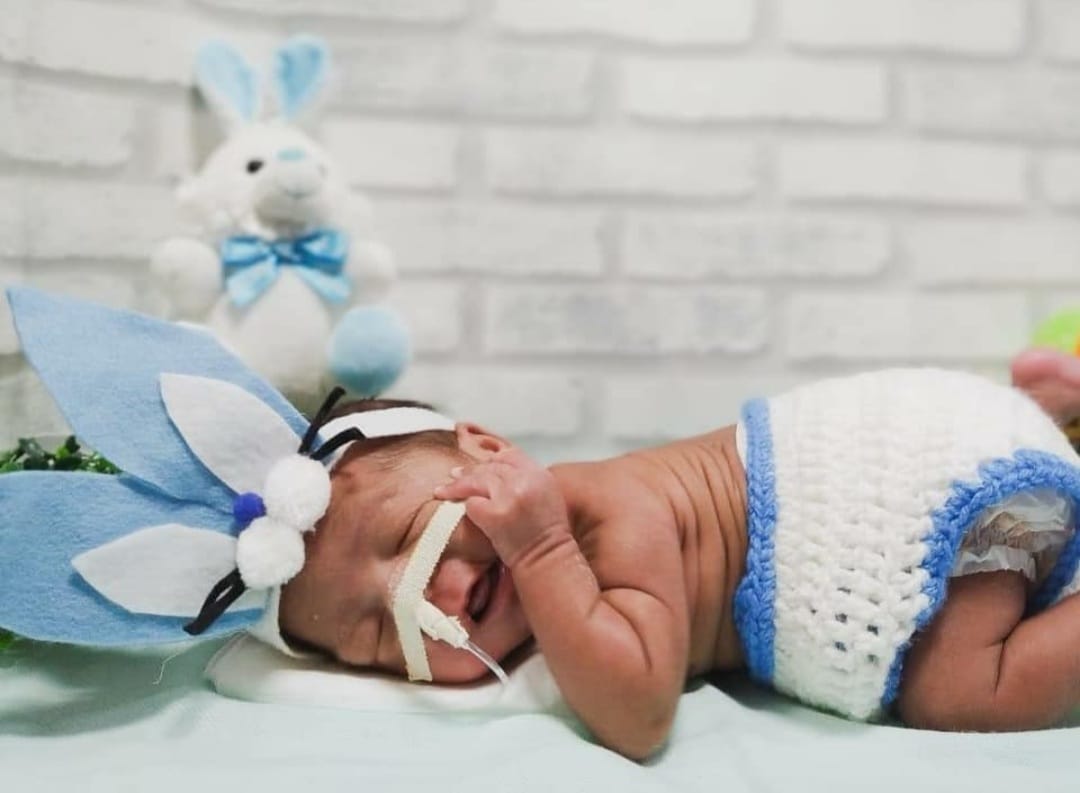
618, 652
981, 666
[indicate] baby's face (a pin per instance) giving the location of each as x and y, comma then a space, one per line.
341, 600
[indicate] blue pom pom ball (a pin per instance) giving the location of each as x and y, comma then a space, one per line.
369, 349
246, 507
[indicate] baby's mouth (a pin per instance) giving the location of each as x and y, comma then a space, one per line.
480, 595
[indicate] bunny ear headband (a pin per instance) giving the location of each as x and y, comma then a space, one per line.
221, 478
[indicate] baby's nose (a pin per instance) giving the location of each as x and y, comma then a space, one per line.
449, 586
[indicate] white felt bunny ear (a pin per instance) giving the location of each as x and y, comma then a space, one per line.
229, 84
232, 432
163, 570
301, 67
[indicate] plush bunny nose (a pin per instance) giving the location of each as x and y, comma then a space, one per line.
291, 188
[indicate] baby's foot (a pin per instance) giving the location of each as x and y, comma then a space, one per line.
1052, 379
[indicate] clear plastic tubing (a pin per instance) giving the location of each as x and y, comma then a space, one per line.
489, 662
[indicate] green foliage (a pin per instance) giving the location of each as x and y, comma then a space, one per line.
28, 455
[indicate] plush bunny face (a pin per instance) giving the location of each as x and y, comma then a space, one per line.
268, 178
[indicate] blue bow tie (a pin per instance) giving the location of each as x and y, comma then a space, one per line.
252, 264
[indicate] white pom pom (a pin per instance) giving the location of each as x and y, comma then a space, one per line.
297, 492
269, 553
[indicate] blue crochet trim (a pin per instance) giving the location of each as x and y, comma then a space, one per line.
998, 479
755, 597
1061, 575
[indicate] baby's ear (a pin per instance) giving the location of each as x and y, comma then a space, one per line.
478, 442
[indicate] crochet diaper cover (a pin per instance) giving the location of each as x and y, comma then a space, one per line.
865, 494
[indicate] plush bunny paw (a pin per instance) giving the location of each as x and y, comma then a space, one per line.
188, 273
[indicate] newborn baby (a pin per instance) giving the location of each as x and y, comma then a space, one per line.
814, 542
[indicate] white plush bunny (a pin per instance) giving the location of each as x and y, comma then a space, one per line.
281, 267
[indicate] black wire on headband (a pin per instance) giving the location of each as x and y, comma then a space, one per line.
320, 418
335, 443
224, 594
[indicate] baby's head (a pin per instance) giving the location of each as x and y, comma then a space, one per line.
381, 500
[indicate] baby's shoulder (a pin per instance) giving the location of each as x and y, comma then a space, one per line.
618, 490
618, 516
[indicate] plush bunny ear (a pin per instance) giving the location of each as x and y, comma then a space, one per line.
103, 368
300, 70
51, 518
229, 85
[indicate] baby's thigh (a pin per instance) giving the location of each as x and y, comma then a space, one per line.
951, 671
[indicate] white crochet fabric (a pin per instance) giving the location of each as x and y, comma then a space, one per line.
860, 491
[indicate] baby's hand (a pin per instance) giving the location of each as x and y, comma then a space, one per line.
514, 501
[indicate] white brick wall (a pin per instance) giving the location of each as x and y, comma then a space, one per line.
665, 246
395, 153
389, 73
672, 22
637, 320
573, 163
65, 218
753, 89
934, 173
615, 219
494, 240
121, 40
1060, 29
951, 27
48, 123
868, 327
1059, 178
994, 101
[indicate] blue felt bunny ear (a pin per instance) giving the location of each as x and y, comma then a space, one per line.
301, 67
104, 368
54, 520
227, 82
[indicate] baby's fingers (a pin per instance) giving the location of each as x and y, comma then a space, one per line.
466, 485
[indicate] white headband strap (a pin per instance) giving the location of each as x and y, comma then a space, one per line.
385, 423
388, 422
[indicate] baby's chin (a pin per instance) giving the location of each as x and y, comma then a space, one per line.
461, 669
458, 667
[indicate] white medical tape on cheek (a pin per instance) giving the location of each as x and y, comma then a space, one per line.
408, 593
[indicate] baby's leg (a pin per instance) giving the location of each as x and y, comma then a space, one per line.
981, 666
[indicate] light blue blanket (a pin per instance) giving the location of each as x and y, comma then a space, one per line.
92, 720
